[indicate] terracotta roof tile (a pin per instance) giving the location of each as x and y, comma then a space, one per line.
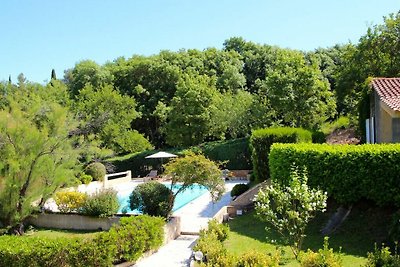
388, 90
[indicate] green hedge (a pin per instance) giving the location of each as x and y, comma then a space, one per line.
136, 235
124, 242
348, 173
236, 152
41, 252
261, 141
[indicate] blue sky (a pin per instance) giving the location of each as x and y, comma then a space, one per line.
39, 35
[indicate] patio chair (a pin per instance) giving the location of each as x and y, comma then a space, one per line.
151, 175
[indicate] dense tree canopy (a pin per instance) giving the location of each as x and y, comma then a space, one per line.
375, 55
191, 96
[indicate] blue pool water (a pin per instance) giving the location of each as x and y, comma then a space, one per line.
181, 199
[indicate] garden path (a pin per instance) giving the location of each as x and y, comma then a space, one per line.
194, 216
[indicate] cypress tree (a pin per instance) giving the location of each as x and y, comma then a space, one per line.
53, 75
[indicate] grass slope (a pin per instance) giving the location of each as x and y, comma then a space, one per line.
363, 228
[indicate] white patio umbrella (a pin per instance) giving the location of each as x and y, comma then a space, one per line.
161, 155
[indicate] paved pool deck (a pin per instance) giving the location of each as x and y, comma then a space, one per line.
194, 216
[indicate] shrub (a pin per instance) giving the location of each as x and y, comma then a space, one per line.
261, 141
101, 204
211, 245
70, 201
97, 170
220, 230
135, 235
348, 173
85, 178
289, 209
324, 257
239, 189
254, 258
318, 137
383, 257
151, 198
211, 248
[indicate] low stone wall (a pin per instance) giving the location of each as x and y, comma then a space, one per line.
109, 181
224, 213
79, 222
172, 229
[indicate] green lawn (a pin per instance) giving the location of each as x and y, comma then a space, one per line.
363, 228
55, 233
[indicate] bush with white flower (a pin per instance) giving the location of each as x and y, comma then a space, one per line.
288, 209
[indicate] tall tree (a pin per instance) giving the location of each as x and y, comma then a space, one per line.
190, 119
194, 169
34, 165
108, 115
296, 91
21, 80
150, 81
53, 75
86, 72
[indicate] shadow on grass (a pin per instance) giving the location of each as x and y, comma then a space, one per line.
365, 226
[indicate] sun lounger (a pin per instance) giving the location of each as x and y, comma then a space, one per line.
151, 175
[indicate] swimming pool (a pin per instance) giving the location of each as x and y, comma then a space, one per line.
181, 199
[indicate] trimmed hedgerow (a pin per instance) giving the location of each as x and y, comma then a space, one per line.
348, 173
35, 251
136, 235
236, 152
261, 141
124, 242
